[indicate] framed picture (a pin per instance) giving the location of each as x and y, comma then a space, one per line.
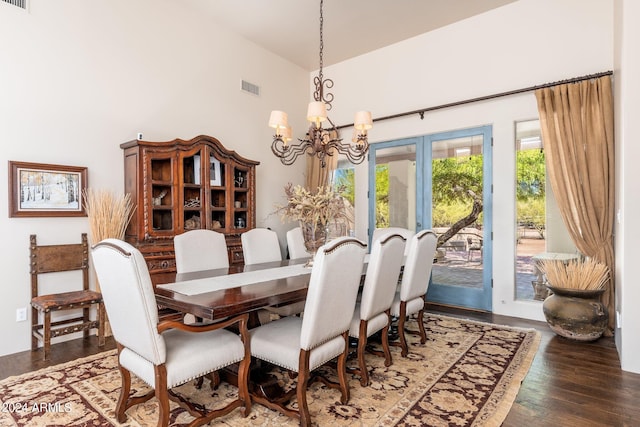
215, 173
37, 190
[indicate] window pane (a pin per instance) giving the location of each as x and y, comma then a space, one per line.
531, 203
344, 180
396, 187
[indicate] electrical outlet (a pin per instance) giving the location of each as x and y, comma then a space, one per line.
21, 315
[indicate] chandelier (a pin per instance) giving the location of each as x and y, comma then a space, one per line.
320, 141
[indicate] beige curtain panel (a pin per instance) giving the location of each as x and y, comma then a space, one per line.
318, 176
577, 130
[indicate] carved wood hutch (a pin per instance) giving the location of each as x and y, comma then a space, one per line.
177, 186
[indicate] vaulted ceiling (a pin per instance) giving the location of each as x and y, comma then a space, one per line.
291, 28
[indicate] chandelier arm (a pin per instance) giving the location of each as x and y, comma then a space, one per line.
355, 153
288, 153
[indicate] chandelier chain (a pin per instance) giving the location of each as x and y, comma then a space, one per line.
321, 142
321, 38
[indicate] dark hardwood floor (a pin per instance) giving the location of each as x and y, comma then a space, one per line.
569, 384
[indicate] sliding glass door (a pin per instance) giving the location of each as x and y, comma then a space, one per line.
442, 182
394, 198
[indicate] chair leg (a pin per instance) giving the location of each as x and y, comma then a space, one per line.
162, 394
214, 378
102, 320
301, 390
362, 344
243, 367
85, 320
125, 389
385, 342
423, 333
46, 334
401, 321
342, 370
34, 325
243, 384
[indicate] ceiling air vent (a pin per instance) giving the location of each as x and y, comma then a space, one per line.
250, 88
20, 3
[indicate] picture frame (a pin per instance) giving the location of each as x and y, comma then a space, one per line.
215, 172
46, 190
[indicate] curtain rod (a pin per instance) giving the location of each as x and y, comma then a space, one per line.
488, 97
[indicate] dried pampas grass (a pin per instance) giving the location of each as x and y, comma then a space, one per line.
582, 275
109, 213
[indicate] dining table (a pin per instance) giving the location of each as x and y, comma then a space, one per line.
220, 293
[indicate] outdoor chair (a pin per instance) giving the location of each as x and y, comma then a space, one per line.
474, 244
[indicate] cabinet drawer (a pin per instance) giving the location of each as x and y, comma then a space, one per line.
161, 264
236, 256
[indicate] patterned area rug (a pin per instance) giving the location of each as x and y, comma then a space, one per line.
467, 374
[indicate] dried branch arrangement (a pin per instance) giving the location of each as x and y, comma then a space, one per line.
108, 213
582, 275
320, 207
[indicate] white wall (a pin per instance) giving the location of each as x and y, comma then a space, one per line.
627, 231
79, 78
525, 43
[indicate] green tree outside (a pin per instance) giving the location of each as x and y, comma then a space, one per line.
457, 183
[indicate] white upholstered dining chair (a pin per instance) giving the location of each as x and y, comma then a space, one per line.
295, 244
163, 354
260, 245
410, 298
404, 232
302, 344
372, 313
197, 250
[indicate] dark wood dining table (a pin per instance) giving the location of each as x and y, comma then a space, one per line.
222, 303
184, 296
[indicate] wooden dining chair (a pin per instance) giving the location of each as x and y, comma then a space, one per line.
47, 259
197, 250
372, 313
410, 298
302, 344
164, 354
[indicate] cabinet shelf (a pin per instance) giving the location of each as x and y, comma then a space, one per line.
171, 186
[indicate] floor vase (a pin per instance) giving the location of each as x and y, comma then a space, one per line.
576, 314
